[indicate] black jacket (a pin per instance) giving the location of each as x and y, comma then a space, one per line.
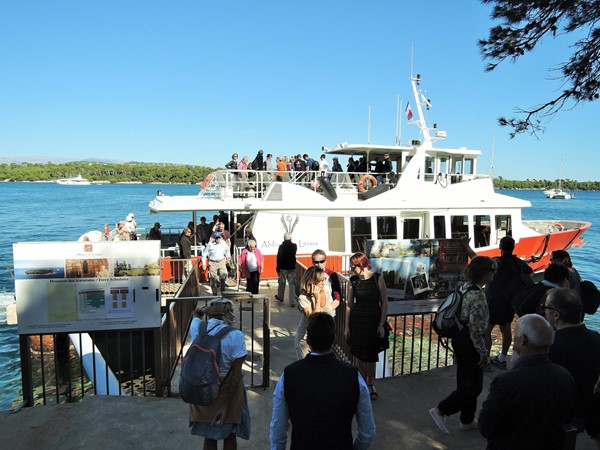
286, 256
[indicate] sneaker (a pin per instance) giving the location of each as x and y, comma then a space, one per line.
278, 299
499, 364
439, 419
488, 368
469, 426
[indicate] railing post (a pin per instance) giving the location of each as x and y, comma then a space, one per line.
159, 377
266, 342
26, 375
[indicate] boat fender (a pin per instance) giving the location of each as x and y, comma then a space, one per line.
558, 226
364, 179
328, 189
207, 180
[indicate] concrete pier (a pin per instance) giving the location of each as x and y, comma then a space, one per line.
401, 412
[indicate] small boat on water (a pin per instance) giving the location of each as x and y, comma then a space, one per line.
431, 193
559, 193
74, 181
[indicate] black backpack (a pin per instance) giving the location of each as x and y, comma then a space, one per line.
447, 323
315, 165
199, 379
527, 300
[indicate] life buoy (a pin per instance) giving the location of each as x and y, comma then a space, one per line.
558, 226
207, 180
361, 185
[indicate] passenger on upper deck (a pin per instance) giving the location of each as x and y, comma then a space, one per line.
281, 168
243, 174
323, 166
258, 162
336, 166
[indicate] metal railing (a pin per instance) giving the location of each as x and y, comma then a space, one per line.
414, 346
143, 361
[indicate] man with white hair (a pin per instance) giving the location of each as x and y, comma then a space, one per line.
527, 405
577, 349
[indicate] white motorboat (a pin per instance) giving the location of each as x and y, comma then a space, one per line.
433, 192
73, 181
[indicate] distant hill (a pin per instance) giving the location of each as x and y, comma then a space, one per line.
40, 159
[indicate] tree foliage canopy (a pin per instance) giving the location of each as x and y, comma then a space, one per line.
524, 24
113, 173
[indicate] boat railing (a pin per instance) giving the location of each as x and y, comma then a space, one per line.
250, 183
253, 183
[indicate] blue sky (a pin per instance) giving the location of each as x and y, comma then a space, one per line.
192, 81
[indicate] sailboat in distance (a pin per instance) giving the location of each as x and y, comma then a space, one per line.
559, 193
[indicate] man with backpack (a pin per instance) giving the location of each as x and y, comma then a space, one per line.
511, 276
227, 416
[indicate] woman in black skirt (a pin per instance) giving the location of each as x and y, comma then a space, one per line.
366, 314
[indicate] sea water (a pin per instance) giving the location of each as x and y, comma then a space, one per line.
34, 212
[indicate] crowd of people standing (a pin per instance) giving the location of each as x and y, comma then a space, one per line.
548, 383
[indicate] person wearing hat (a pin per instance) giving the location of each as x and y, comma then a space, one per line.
228, 416
216, 255
131, 226
155, 234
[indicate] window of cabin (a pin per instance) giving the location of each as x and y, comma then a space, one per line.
411, 229
503, 226
429, 168
387, 228
336, 234
482, 230
469, 166
443, 165
439, 227
360, 230
459, 226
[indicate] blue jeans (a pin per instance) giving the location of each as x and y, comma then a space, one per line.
290, 276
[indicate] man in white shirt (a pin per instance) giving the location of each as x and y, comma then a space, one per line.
216, 255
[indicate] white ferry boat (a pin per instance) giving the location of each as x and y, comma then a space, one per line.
433, 192
73, 181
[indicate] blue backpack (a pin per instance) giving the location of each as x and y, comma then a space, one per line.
199, 379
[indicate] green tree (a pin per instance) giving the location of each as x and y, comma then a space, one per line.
524, 24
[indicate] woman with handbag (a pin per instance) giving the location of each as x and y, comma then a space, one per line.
366, 317
470, 352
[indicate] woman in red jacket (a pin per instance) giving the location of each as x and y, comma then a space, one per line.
251, 264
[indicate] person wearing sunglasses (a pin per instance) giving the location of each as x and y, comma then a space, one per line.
577, 349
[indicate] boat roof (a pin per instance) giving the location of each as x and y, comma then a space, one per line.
380, 150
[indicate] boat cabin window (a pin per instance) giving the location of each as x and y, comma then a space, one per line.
459, 226
429, 168
336, 233
386, 228
469, 166
482, 230
457, 166
503, 226
443, 165
439, 227
411, 229
360, 229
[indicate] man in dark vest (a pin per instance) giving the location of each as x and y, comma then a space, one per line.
320, 395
